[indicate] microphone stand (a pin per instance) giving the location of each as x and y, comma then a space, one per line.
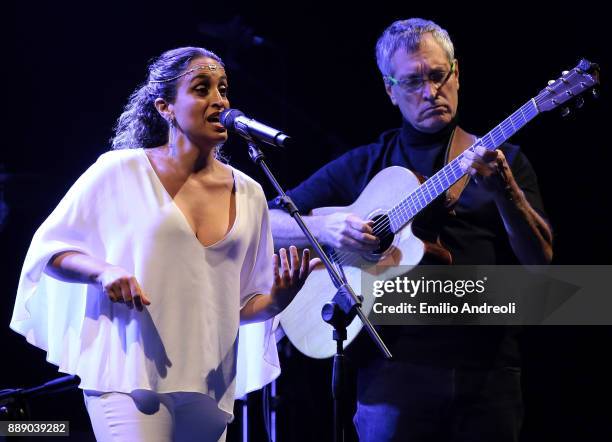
340, 311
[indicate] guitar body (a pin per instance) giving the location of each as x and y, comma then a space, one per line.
301, 320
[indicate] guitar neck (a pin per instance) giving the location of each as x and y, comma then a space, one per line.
410, 206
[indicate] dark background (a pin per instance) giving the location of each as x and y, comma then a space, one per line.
310, 70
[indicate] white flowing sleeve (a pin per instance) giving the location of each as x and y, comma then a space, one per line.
49, 312
258, 362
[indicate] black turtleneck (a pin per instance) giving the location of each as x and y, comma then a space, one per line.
417, 138
425, 151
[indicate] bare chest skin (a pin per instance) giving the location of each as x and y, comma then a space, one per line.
206, 200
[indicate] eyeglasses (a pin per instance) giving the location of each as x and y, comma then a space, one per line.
413, 84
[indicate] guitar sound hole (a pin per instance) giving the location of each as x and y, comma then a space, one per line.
382, 229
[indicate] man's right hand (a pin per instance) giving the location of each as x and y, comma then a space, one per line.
121, 286
348, 233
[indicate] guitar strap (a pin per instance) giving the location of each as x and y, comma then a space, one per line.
459, 141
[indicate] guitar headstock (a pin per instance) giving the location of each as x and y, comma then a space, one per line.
570, 85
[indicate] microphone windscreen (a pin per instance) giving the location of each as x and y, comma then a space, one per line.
228, 116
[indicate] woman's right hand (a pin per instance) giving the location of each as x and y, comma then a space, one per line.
121, 286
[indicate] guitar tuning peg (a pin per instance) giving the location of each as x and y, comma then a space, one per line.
550, 82
579, 102
595, 93
564, 72
565, 112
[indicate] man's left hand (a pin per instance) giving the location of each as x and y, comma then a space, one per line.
488, 168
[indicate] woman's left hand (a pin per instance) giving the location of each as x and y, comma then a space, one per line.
290, 275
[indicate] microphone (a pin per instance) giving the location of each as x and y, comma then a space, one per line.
235, 121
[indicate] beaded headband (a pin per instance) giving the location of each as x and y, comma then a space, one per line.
210, 67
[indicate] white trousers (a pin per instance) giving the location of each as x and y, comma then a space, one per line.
144, 415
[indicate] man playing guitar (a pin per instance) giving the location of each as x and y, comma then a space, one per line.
444, 382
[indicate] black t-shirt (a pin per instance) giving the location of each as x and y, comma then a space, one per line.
474, 234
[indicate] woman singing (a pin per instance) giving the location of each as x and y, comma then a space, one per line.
139, 280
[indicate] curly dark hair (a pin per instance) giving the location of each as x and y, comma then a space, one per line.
140, 125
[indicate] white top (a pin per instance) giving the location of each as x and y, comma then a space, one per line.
187, 339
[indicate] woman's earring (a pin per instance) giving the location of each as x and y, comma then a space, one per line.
171, 133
